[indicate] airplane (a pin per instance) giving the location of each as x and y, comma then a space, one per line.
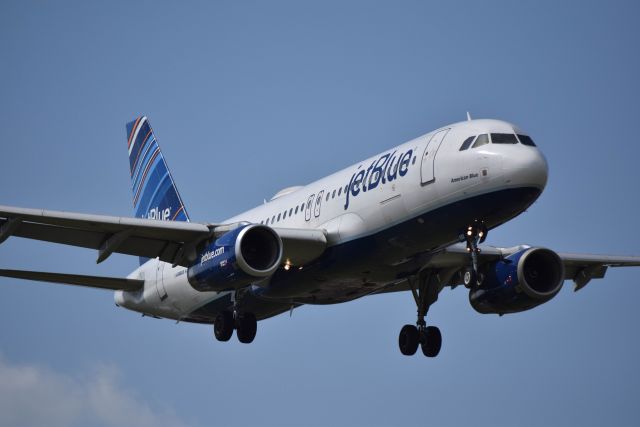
411, 219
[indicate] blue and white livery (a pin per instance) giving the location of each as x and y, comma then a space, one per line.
410, 219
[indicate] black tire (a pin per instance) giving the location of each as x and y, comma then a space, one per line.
408, 340
223, 326
433, 341
246, 328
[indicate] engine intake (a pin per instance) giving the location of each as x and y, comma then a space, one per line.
519, 282
237, 259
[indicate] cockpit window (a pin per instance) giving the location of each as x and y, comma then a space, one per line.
482, 140
467, 142
526, 140
503, 138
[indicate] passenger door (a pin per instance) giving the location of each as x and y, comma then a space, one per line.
307, 209
162, 292
427, 169
318, 204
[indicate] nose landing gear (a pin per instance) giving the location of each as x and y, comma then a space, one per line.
475, 234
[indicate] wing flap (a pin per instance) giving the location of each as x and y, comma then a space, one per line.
101, 282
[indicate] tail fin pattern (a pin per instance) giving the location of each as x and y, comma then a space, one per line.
155, 195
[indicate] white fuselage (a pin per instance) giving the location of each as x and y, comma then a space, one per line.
430, 173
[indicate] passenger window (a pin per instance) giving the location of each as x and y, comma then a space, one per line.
273, 219
467, 142
296, 209
526, 140
503, 138
290, 211
278, 217
333, 195
339, 191
267, 221
302, 207
327, 198
482, 140
284, 215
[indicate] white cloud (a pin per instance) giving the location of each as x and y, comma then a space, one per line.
33, 396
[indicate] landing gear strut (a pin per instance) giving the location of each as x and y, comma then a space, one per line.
475, 234
428, 337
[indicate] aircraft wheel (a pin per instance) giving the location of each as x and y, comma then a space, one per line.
223, 326
470, 278
408, 340
432, 341
247, 327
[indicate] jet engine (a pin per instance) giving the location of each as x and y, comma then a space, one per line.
519, 282
238, 258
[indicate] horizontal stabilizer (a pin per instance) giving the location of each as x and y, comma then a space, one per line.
112, 283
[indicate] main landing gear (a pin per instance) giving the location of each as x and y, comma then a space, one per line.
475, 234
429, 283
245, 325
428, 337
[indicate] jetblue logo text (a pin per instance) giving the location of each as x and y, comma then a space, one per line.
156, 213
386, 168
211, 254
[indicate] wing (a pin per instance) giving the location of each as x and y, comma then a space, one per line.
449, 262
580, 268
170, 241
101, 282
108, 234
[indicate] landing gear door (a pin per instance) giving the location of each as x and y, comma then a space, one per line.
427, 169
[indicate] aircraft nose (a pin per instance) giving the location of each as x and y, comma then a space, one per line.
529, 168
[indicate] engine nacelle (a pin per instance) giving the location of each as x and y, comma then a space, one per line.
519, 282
236, 259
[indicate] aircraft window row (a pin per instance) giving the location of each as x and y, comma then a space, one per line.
331, 194
496, 138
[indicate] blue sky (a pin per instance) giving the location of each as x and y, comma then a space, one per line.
250, 97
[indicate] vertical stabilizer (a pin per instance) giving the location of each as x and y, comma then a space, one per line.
155, 195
